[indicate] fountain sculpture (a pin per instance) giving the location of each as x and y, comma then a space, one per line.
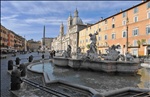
112, 62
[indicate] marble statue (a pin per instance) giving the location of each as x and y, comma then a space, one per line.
112, 54
79, 54
69, 51
93, 43
92, 54
129, 57
67, 54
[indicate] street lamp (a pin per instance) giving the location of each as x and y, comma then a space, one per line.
127, 20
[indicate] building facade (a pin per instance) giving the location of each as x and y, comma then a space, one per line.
4, 37
74, 25
33, 45
129, 28
11, 40
48, 43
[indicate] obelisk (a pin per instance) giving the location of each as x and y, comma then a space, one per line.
44, 39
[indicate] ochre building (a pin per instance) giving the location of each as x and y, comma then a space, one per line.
10, 40
129, 28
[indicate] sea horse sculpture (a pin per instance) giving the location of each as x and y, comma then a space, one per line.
113, 54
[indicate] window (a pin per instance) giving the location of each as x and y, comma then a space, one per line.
124, 14
149, 41
136, 10
124, 34
113, 36
124, 22
135, 43
135, 32
105, 37
148, 5
148, 14
113, 25
113, 19
86, 40
105, 21
99, 38
135, 18
99, 29
148, 29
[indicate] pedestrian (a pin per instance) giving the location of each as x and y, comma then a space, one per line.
54, 52
51, 53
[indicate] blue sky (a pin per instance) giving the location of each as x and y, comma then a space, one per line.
27, 18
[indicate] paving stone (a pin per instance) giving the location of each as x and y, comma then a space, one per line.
5, 75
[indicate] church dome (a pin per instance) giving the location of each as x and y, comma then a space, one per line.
76, 19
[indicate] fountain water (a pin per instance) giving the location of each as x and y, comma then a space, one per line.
99, 81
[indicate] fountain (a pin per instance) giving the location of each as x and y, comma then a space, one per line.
58, 81
92, 60
69, 81
75, 83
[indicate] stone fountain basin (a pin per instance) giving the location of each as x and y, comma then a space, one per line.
128, 92
106, 66
60, 61
74, 90
29, 67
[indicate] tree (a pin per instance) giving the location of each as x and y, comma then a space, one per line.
143, 41
88, 46
138, 42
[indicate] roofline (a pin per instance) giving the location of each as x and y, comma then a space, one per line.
122, 12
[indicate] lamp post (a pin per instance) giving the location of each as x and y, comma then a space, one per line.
44, 39
25, 46
127, 20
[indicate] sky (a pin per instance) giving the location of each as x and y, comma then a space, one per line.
27, 18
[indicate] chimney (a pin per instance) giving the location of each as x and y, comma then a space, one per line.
120, 10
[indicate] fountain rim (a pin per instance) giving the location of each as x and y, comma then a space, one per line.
36, 63
48, 81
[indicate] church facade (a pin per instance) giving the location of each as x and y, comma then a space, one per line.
74, 25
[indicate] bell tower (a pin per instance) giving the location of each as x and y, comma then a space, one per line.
61, 29
69, 22
76, 13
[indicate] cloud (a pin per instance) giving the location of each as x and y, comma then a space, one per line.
47, 7
8, 17
28, 17
46, 20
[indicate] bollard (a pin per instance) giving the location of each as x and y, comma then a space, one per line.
22, 69
17, 61
30, 58
15, 79
43, 56
10, 65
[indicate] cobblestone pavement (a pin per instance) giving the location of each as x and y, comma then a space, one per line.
5, 76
